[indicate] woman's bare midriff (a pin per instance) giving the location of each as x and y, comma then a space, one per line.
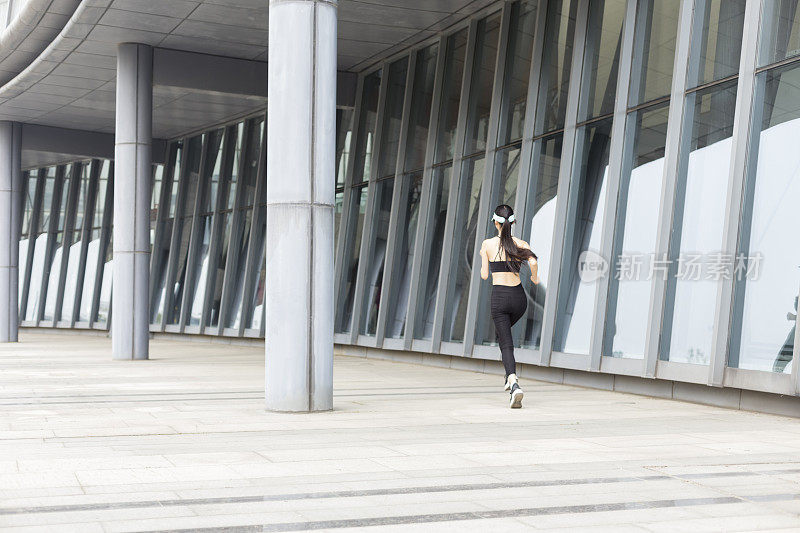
507, 279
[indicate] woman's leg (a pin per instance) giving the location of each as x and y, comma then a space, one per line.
502, 325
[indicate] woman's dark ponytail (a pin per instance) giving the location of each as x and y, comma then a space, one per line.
514, 254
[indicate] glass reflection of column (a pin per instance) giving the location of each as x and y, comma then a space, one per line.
767, 277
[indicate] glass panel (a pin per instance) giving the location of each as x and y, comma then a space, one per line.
241, 240
509, 160
556, 63
158, 179
488, 33
636, 227
392, 116
697, 225
766, 296
467, 221
654, 49
517, 73
40, 247
29, 179
431, 261
202, 264
106, 283
358, 209
257, 302
601, 58
161, 249
780, 31
94, 248
344, 139
54, 275
183, 224
366, 126
74, 255
540, 213
451, 95
404, 254
717, 42
420, 114
377, 256
337, 214
585, 212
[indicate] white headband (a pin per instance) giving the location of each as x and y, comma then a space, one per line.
501, 220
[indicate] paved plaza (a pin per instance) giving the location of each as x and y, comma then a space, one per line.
182, 443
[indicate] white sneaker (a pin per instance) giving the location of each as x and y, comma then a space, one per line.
516, 396
510, 380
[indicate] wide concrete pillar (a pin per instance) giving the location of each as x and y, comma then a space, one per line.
130, 334
301, 119
10, 207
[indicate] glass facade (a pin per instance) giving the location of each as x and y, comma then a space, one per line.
612, 128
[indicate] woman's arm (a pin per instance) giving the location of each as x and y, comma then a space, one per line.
484, 262
534, 264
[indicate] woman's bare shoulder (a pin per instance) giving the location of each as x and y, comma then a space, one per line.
521, 243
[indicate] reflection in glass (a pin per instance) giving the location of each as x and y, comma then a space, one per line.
766, 301
29, 180
601, 63
376, 253
467, 222
517, 73
556, 63
410, 192
451, 95
780, 27
358, 208
75, 248
366, 126
254, 319
488, 32
585, 213
420, 113
654, 49
344, 139
161, 248
697, 225
635, 233
540, 215
40, 246
717, 45
432, 252
392, 116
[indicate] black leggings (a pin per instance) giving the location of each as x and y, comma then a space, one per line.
508, 306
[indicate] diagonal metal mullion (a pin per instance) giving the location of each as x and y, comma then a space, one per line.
33, 233
52, 230
66, 239
161, 217
426, 214
105, 242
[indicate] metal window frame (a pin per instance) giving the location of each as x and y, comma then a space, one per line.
397, 222
167, 183
672, 152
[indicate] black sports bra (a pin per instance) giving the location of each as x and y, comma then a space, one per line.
502, 266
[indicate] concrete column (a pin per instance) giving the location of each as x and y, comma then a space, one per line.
301, 124
130, 328
10, 212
